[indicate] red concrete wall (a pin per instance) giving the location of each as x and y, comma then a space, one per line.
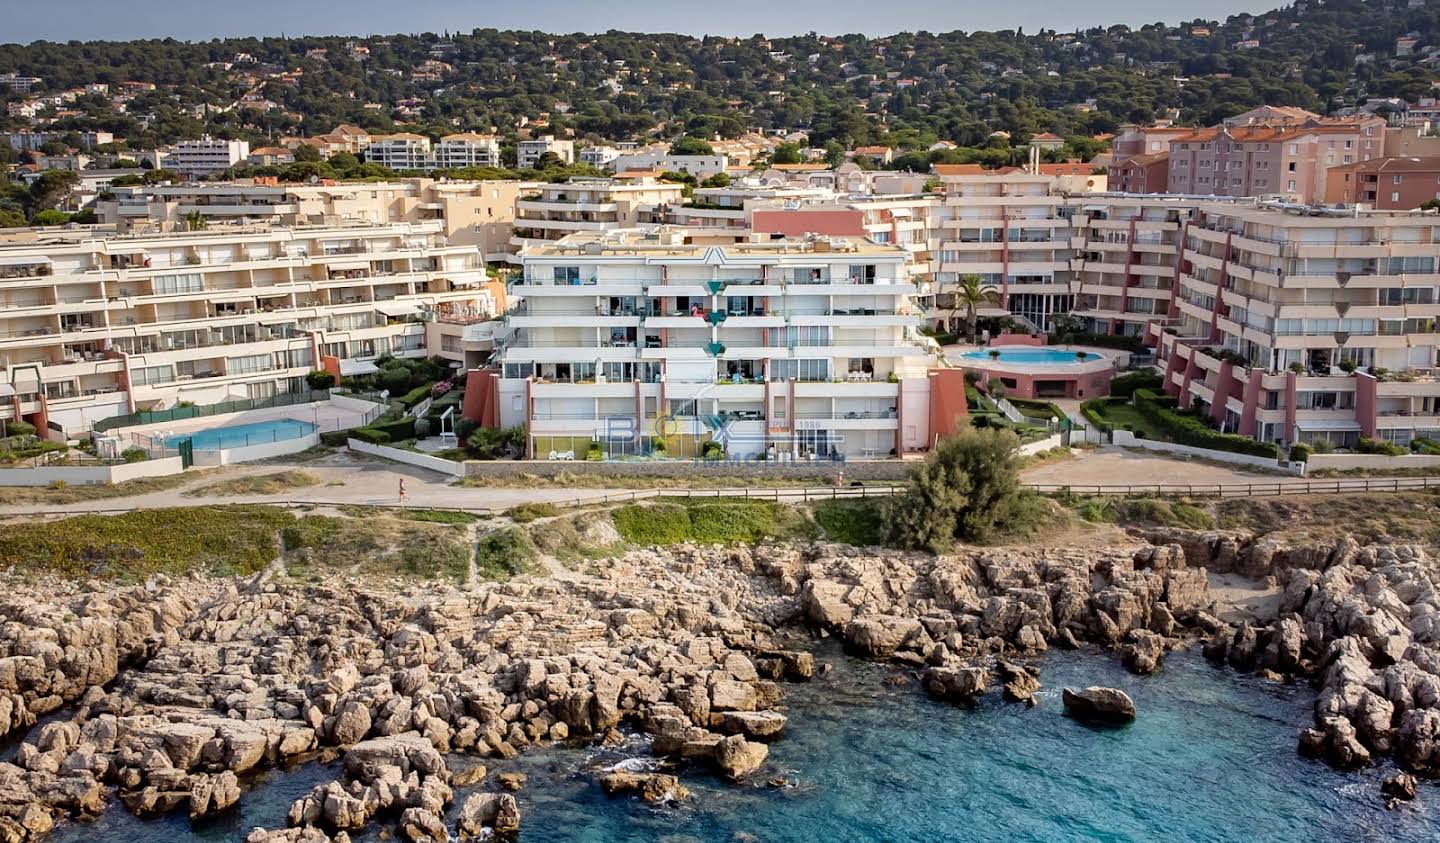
799, 222
947, 403
1018, 339
482, 397
1366, 395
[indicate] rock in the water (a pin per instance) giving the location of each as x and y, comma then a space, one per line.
1142, 651
653, 787
738, 757
1099, 705
419, 825
955, 683
1020, 684
1400, 785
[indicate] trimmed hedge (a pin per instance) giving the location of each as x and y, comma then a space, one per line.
1132, 344
1092, 413
1188, 430
1425, 445
1125, 385
1300, 452
391, 431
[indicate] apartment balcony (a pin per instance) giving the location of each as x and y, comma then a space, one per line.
587, 289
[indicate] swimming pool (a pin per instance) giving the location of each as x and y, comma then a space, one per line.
240, 435
1033, 355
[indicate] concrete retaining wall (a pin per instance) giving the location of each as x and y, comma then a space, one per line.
450, 467
822, 470
77, 475
1127, 439
1343, 462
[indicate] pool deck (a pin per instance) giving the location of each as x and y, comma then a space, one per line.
1108, 359
325, 415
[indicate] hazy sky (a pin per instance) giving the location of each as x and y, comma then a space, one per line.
63, 20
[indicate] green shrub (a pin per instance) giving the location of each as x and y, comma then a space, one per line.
1125, 385
422, 428
654, 524
968, 485
595, 453
370, 436
19, 428
1379, 446
1425, 445
1188, 429
505, 553
416, 395
494, 443
320, 379
1300, 452
133, 454
713, 451
731, 523
855, 522
1093, 413
527, 512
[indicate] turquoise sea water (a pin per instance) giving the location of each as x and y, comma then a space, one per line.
240, 435
1032, 355
1210, 758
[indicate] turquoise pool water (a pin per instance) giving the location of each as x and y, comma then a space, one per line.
240, 435
1210, 758
1032, 355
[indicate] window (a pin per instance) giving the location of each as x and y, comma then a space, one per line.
803, 370
567, 275
171, 284
1396, 179
1290, 185
1394, 197
152, 375
862, 273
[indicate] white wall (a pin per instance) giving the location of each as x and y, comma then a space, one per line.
450, 467
1370, 461
1127, 439
74, 475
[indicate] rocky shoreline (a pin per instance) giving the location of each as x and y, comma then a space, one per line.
169, 696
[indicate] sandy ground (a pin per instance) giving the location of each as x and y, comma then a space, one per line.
1239, 599
1118, 466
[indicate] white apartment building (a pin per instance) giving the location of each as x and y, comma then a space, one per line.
403, 151
478, 213
728, 210
1010, 231
793, 349
699, 166
527, 152
27, 141
206, 156
94, 325
598, 156
554, 211
467, 150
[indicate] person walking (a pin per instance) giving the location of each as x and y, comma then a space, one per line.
402, 489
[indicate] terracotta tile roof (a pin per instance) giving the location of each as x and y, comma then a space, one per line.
1392, 165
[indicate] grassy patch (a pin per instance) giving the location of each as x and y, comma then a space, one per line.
1125, 417
130, 546
378, 544
657, 524
1405, 516
259, 484
712, 521
505, 553
440, 516
527, 512
1143, 512
16, 495
856, 522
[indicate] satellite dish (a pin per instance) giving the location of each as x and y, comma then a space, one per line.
384, 393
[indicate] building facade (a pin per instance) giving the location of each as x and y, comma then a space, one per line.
97, 326
1385, 184
553, 211
644, 342
206, 156
528, 152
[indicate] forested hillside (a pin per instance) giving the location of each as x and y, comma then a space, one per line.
906, 88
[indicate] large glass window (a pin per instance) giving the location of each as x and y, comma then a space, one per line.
189, 282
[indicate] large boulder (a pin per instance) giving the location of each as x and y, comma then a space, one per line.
1099, 705
738, 757
879, 636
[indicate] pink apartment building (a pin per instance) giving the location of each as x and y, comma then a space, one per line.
1262, 160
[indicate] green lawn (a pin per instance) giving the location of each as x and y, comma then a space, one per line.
1126, 417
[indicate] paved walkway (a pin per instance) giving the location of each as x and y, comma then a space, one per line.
345, 479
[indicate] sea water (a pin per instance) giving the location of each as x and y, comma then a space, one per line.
1211, 757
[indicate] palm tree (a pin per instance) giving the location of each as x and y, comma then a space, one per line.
195, 221
968, 294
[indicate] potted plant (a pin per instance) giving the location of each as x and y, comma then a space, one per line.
994, 354
1297, 367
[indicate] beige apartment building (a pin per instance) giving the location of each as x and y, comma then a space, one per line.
546, 213
470, 213
94, 324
